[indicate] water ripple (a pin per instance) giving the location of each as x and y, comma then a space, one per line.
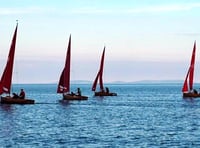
153, 115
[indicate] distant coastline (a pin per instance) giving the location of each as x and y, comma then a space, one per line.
119, 82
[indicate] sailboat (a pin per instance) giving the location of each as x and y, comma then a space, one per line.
99, 77
187, 89
64, 82
6, 79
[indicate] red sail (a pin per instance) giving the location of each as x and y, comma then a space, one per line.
101, 70
64, 82
6, 79
185, 85
95, 82
191, 77
190, 73
99, 74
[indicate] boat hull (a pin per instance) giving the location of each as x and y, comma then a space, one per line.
104, 94
191, 95
74, 97
10, 100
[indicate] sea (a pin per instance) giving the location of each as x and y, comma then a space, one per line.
141, 115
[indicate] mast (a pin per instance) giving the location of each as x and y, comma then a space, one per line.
64, 82
6, 79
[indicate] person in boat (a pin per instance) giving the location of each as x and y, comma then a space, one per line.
195, 91
78, 91
72, 93
22, 94
15, 96
102, 90
107, 90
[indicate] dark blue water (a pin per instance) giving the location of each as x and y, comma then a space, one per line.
143, 115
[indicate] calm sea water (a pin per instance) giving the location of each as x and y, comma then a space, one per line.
142, 115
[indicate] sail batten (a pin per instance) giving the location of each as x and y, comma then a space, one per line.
6, 79
64, 82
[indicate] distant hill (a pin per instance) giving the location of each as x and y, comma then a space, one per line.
80, 82
159, 81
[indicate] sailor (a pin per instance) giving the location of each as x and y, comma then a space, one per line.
22, 94
15, 96
79, 91
107, 90
72, 93
195, 91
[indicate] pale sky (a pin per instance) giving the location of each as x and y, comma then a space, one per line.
145, 40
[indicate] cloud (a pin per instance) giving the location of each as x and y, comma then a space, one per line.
145, 9
165, 8
189, 34
128, 9
26, 10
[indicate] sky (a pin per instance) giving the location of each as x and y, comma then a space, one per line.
144, 40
